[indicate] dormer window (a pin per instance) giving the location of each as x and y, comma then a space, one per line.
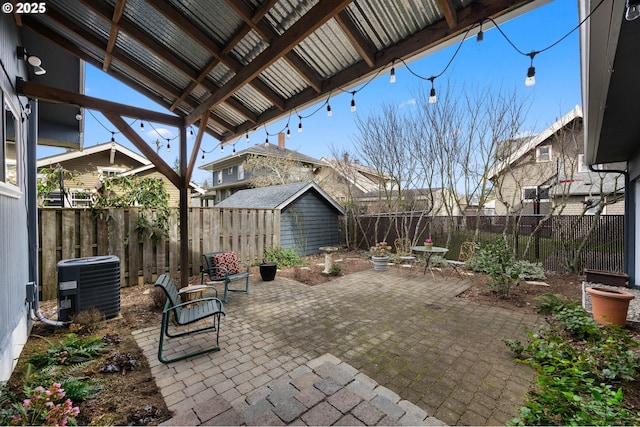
543, 154
230, 171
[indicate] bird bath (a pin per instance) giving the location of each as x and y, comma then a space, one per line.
328, 250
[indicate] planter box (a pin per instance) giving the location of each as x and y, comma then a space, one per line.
607, 277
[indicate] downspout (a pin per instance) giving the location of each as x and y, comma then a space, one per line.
32, 218
629, 226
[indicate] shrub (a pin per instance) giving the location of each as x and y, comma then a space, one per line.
531, 270
496, 259
284, 257
335, 270
580, 366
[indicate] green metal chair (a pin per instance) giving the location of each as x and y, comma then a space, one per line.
225, 267
186, 313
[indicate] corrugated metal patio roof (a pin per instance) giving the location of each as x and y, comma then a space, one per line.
250, 62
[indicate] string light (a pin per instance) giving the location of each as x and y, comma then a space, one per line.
288, 133
633, 7
190, 131
202, 158
141, 126
112, 138
168, 146
266, 141
221, 148
234, 149
432, 92
246, 137
531, 72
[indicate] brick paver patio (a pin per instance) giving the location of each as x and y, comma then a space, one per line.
367, 348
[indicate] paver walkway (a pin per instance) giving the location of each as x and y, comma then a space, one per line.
368, 348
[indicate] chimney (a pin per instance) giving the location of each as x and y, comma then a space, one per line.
345, 156
281, 140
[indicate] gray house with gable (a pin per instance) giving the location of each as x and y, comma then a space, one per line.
309, 217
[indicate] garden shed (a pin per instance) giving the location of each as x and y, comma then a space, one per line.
309, 217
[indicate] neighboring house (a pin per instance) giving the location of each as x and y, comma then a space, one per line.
309, 217
229, 173
345, 180
435, 201
93, 165
546, 173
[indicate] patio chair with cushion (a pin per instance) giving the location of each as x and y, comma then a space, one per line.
405, 258
225, 267
467, 250
206, 310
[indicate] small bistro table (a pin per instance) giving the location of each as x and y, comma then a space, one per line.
428, 253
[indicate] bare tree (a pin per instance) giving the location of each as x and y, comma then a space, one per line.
273, 170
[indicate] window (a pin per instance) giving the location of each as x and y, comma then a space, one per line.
543, 154
106, 173
240, 172
582, 166
230, 171
9, 144
219, 177
531, 194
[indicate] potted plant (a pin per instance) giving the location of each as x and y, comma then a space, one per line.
428, 243
609, 306
380, 255
268, 268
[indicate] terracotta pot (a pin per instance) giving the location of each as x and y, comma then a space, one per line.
610, 306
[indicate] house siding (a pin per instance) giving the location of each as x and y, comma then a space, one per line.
14, 263
308, 224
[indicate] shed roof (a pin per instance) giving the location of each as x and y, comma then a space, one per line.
276, 196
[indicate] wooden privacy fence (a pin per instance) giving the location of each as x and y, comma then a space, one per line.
554, 242
66, 233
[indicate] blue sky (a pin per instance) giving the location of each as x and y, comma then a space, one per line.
492, 62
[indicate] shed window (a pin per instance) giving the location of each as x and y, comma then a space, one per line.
8, 145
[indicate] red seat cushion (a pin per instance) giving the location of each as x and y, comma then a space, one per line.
228, 260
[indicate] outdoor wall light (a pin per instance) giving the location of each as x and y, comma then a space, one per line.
632, 11
33, 60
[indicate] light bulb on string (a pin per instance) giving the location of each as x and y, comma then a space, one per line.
221, 148
202, 158
190, 131
300, 125
432, 93
266, 141
141, 126
392, 74
168, 146
112, 138
234, 149
329, 112
531, 71
246, 137
480, 35
288, 133
353, 102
